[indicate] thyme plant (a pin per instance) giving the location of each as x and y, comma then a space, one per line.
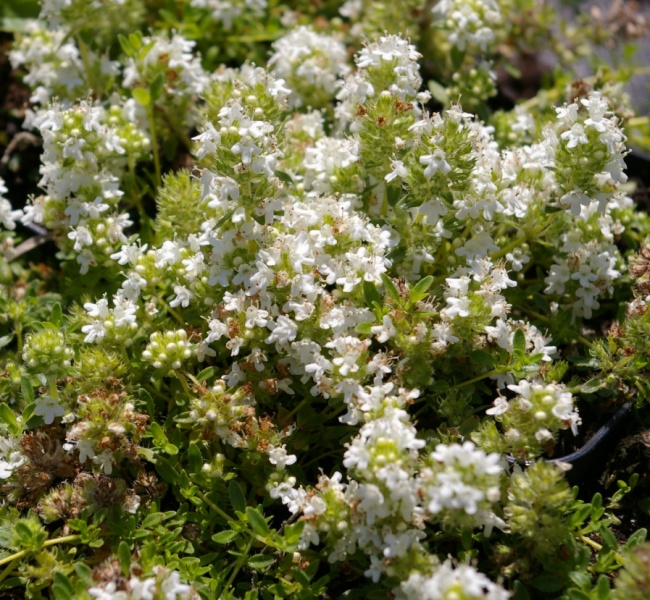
316, 316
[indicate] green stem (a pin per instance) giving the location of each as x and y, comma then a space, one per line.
154, 143
173, 313
183, 380
296, 408
235, 524
52, 542
83, 50
475, 379
8, 570
238, 565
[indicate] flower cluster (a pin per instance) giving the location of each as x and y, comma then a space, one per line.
532, 419
87, 149
311, 65
300, 289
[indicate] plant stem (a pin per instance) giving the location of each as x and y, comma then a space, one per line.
52, 542
239, 564
154, 143
83, 49
474, 379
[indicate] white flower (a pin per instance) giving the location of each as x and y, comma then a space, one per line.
279, 457
48, 408
435, 162
385, 331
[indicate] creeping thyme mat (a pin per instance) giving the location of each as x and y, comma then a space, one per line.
302, 307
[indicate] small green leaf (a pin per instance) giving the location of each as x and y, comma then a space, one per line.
170, 449
519, 342
225, 537
420, 290
363, 328
194, 457
293, 533
206, 374
457, 57
8, 417
62, 588
603, 591
257, 521
237, 498
56, 317
124, 557
135, 40
259, 562
391, 289
152, 520
166, 471
126, 45
638, 537
142, 96
393, 194
156, 87
283, 177
5, 340
84, 572
26, 390
592, 386
438, 92
371, 294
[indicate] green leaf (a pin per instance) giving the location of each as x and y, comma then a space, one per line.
519, 342
26, 389
439, 92
152, 520
592, 386
363, 328
225, 537
156, 87
293, 533
638, 537
142, 96
391, 289
124, 557
8, 417
5, 340
371, 294
206, 374
421, 289
194, 458
575, 594
603, 591
135, 40
170, 449
166, 471
257, 521
84, 572
283, 177
145, 397
62, 588
393, 194
126, 45
237, 498
57, 315
457, 57
259, 562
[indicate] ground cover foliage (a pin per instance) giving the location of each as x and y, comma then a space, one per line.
301, 300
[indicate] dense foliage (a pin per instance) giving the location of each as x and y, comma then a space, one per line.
305, 305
